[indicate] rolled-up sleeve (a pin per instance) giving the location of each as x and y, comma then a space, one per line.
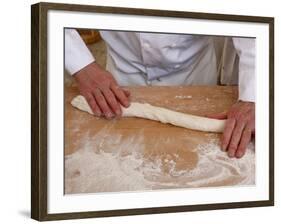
245, 48
76, 53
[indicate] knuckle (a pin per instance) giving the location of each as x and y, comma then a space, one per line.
236, 132
225, 141
115, 86
104, 106
230, 122
243, 119
120, 95
99, 98
111, 101
100, 101
103, 89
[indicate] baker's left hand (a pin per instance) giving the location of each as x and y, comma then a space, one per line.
239, 128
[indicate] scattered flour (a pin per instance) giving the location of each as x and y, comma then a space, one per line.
183, 97
109, 163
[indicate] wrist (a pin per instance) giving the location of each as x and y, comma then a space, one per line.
86, 69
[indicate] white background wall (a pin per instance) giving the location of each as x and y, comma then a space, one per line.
15, 111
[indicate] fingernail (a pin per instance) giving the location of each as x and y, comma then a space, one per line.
239, 154
223, 148
231, 154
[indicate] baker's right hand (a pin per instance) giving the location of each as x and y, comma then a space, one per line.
101, 91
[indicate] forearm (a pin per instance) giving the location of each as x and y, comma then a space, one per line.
245, 48
76, 54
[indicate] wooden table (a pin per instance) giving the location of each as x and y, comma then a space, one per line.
126, 150
157, 137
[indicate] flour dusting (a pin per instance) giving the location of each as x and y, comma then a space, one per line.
111, 163
183, 97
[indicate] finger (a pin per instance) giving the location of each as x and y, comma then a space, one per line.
111, 101
222, 115
102, 103
235, 138
119, 93
127, 92
226, 136
93, 104
245, 140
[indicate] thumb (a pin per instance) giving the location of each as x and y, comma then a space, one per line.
220, 116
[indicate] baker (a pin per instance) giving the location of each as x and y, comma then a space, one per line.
135, 58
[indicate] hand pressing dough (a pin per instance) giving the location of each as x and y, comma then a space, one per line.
163, 115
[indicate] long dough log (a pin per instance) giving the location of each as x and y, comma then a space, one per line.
163, 115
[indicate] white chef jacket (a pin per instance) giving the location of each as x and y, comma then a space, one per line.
147, 58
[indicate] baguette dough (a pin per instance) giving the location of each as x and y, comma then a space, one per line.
163, 115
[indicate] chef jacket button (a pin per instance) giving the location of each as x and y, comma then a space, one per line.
173, 45
177, 66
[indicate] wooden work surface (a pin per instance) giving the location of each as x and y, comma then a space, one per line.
135, 154
198, 100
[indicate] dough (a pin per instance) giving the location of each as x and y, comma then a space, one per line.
163, 115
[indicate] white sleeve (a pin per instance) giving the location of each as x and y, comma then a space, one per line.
245, 48
76, 53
